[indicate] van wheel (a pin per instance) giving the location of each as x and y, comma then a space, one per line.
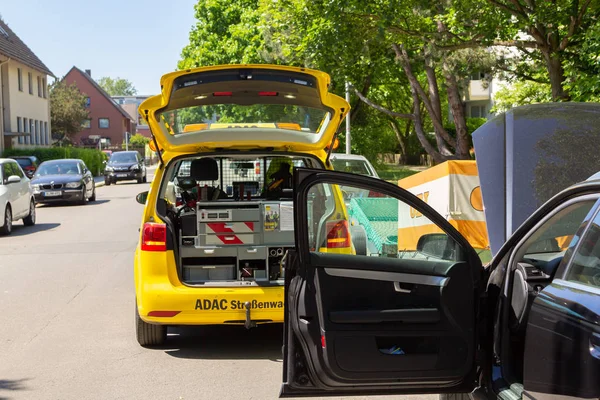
30, 219
107, 182
149, 335
93, 197
359, 240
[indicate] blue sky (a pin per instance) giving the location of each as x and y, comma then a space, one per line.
132, 39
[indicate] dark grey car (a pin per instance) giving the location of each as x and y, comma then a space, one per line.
124, 166
67, 180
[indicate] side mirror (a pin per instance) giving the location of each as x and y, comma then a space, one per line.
13, 179
142, 197
104, 162
438, 245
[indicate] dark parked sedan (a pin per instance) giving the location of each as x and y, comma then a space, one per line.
63, 180
124, 166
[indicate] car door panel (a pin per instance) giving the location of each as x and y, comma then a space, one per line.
360, 324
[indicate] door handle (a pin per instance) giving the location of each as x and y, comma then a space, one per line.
209, 251
229, 237
399, 288
595, 345
251, 250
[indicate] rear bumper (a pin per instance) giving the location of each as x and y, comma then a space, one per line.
212, 306
66, 195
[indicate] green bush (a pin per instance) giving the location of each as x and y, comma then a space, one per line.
91, 157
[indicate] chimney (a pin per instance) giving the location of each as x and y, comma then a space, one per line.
89, 72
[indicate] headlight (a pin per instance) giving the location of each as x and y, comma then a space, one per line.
135, 167
36, 187
108, 169
73, 185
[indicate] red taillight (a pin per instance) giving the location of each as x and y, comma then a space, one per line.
323, 341
267, 93
257, 168
29, 168
166, 314
338, 234
223, 94
375, 194
154, 237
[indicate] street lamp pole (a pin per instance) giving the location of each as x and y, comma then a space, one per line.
126, 141
348, 140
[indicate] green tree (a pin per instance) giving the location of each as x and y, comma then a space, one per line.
138, 140
521, 93
67, 110
117, 86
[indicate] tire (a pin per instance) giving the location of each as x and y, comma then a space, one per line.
93, 196
107, 182
84, 199
145, 179
141, 180
359, 240
455, 396
149, 335
7, 228
30, 219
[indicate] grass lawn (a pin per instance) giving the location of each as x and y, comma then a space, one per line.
392, 173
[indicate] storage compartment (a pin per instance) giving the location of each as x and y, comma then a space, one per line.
198, 270
253, 269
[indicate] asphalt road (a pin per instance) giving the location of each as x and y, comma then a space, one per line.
67, 322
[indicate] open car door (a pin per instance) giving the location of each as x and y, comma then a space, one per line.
400, 319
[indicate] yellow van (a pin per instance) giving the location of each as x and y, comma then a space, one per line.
219, 216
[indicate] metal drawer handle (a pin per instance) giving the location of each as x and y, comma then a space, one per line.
251, 250
209, 251
229, 237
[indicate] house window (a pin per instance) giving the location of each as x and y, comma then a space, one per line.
103, 123
39, 82
45, 88
30, 76
26, 129
20, 79
477, 112
37, 132
46, 133
86, 124
32, 130
19, 129
88, 102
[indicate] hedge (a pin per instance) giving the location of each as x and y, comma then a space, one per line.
91, 157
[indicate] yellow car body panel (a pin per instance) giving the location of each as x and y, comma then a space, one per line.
158, 287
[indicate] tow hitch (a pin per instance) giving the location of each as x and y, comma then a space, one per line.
249, 323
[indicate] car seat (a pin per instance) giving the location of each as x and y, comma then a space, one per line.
207, 169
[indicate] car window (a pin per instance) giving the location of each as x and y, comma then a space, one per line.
16, 170
123, 158
353, 166
5, 173
585, 262
556, 234
24, 162
375, 225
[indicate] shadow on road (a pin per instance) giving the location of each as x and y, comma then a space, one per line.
72, 204
225, 342
22, 230
12, 385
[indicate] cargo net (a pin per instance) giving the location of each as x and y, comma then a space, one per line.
379, 217
248, 178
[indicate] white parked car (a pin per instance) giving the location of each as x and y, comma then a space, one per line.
16, 196
353, 163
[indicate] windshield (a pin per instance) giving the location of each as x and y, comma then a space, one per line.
123, 158
24, 162
352, 166
226, 116
58, 168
